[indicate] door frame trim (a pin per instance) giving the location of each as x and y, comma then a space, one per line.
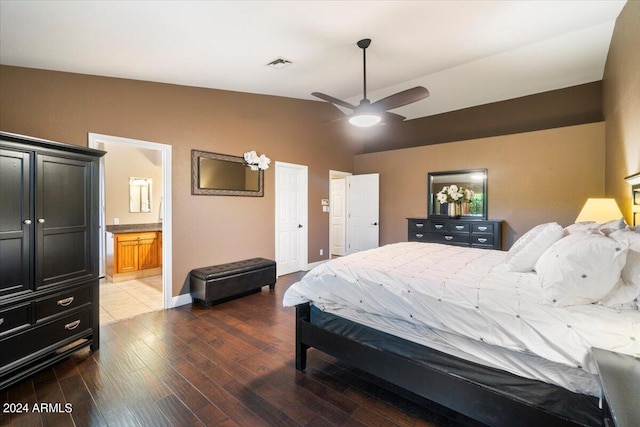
304, 206
95, 140
334, 174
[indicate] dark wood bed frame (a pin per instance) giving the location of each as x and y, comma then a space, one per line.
480, 403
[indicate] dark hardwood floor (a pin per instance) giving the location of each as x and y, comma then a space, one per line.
232, 365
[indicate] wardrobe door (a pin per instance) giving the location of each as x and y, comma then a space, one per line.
16, 222
63, 220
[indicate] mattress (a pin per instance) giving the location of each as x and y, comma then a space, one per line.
465, 302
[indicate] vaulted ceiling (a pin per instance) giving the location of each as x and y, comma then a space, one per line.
466, 53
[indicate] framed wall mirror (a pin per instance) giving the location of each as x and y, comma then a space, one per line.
216, 174
139, 194
472, 179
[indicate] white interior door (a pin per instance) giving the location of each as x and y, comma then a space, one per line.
291, 217
338, 214
362, 212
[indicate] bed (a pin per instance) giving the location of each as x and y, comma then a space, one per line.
459, 327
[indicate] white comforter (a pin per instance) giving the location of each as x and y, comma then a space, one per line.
466, 293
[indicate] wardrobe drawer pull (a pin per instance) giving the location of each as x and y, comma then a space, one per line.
459, 227
66, 301
438, 226
1, 320
448, 237
482, 228
419, 224
482, 240
71, 326
419, 235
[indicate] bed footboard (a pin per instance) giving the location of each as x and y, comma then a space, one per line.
419, 382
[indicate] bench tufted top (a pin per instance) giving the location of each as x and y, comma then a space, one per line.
232, 268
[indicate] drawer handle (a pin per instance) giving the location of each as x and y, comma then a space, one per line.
65, 302
1, 320
438, 226
482, 240
448, 237
71, 326
419, 224
459, 227
482, 228
419, 235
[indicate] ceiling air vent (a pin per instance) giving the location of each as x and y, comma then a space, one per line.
279, 63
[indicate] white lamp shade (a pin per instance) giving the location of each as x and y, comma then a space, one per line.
599, 211
365, 120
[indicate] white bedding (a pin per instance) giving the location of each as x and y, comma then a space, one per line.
451, 298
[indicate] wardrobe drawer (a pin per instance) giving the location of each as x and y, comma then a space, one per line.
450, 238
14, 317
482, 239
482, 228
46, 335
62, 301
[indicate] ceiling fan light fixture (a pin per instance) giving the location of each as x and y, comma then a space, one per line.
365, 120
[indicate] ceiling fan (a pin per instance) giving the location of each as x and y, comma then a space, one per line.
368, 114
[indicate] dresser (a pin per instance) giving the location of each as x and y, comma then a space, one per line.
49, 261
460, 232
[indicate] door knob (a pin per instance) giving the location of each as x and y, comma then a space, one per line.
299, 225
40, 220
375, 223
27, 221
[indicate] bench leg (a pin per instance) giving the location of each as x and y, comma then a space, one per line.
272, 286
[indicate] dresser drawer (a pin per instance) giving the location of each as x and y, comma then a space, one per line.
459, 227
14, 317
438, 226
62, 301
418, 236
450, 238
417, 226
482, 240
482, 228
46, 335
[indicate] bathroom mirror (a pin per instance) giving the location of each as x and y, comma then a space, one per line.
473, 179
224, 175
139, 194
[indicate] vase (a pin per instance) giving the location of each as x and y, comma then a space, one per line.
465, 208
455, 210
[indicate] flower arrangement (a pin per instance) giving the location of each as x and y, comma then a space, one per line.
455, 194
256, 162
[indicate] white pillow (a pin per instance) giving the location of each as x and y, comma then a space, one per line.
525, 252
604, 228
581, 268
628, 289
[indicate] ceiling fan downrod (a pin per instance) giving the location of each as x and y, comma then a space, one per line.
364, 44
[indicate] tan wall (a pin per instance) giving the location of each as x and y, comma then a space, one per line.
207, 230
534, 177
121, 163
621, 96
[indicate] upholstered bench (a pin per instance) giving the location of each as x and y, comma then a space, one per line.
219, 283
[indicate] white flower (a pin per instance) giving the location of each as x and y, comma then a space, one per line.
453, 189
263, 162
251, 157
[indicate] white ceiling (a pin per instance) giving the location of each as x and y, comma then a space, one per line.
465, 52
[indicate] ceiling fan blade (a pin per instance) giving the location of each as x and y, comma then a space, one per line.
402, 98
388, 117
333, 100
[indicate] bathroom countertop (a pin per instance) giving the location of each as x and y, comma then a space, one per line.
132, 228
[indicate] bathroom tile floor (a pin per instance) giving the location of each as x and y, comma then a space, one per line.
123, 300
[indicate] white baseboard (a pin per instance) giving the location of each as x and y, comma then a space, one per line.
183, 299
